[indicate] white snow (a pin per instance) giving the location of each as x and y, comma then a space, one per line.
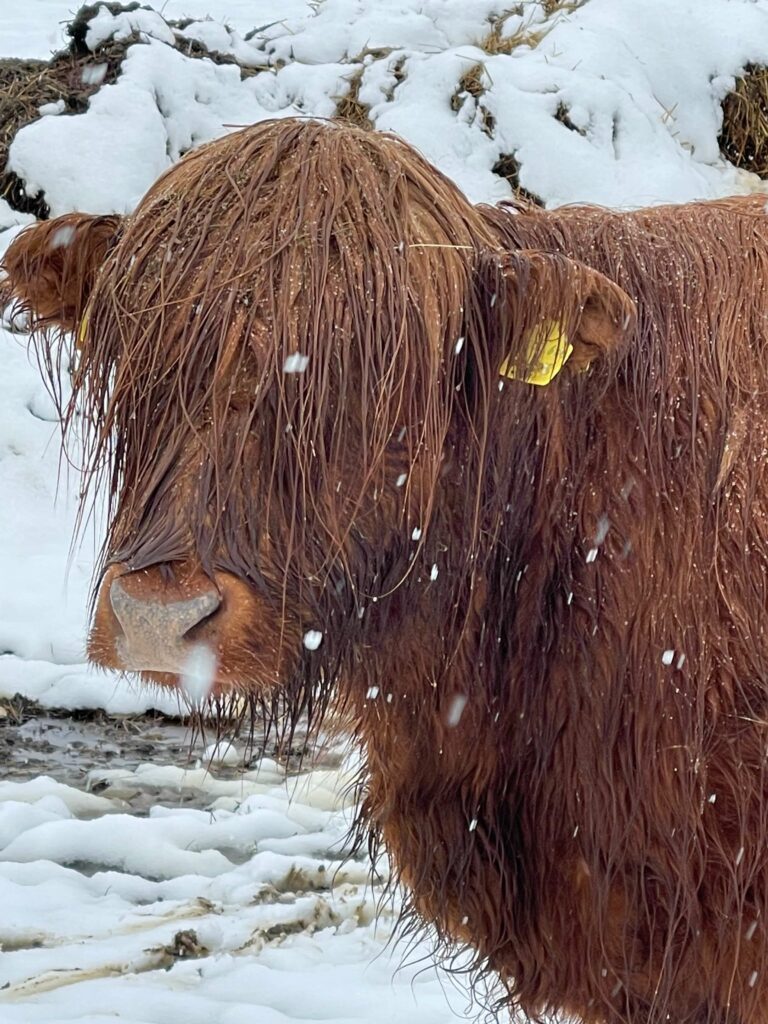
312, 639
296, 363
11, 218
283, 926
162, 105
125, 24
644, 113
34, 29
52, 108
223, 752
96, 886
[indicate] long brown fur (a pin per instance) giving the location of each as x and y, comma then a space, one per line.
551, 637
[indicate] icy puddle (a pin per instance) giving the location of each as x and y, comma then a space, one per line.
76, 746
69, 744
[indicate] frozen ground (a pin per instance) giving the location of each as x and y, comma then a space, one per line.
167, 895
598, 101
135, 884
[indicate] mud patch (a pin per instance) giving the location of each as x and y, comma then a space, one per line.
74, 747
69, 744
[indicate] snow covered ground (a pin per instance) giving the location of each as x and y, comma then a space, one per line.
162, 893
239, 912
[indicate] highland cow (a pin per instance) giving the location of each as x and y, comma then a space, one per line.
492, 482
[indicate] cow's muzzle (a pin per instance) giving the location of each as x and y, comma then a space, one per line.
159, 635
155, 620
174, 623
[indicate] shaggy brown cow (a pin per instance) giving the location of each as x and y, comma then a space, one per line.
494, 481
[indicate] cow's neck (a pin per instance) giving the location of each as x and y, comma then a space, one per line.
469, 764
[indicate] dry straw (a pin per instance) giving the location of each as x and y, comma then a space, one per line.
744, 137
69, 79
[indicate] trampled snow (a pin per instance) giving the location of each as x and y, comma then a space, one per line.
171, 893
276, 923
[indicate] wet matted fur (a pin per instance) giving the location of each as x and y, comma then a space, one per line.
543, 608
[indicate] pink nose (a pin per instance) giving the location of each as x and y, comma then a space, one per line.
155, 632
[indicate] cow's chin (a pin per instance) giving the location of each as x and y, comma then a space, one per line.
185, 629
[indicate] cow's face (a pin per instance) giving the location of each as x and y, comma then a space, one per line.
288, 367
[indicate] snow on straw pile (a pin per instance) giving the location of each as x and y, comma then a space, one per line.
100, 35
568, 101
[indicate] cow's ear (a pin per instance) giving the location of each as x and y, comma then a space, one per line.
544, 314
51, 267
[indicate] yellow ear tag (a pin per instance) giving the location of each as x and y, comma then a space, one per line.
550, 343
82, 330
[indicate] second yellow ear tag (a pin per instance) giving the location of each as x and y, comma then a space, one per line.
82, 330
547, 353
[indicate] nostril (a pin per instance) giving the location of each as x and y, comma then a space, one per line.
160, 622
193, 632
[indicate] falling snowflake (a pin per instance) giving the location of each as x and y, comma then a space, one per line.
198, 674
455, 710
62, 237
94, 75
295, 363
312, 639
